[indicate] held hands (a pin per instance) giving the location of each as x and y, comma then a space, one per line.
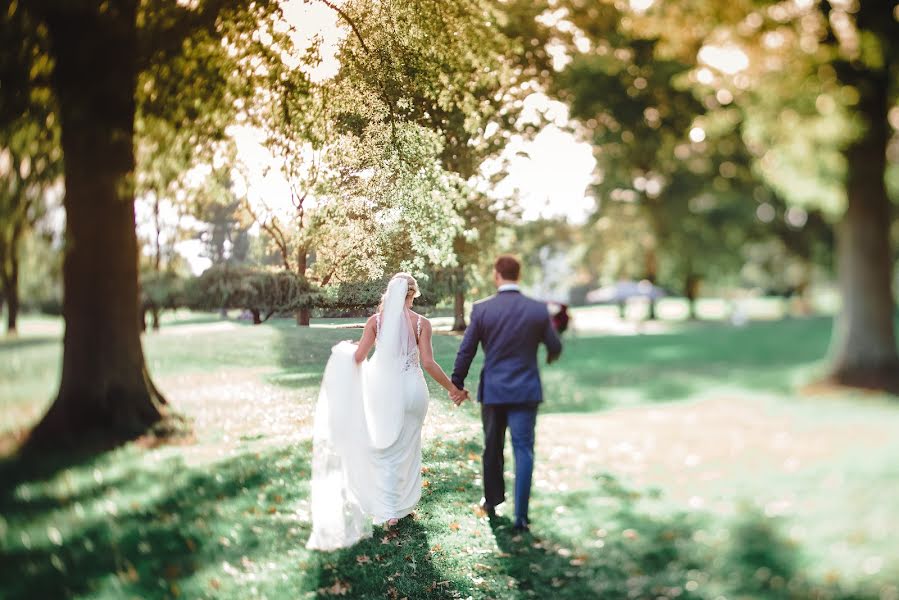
458, 396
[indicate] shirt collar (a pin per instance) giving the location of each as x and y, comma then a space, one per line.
509, 287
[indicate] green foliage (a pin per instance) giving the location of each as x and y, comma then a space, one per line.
257, 290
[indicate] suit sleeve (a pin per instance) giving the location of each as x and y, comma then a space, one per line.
552, 341
467, 349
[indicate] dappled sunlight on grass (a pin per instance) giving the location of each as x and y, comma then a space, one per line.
675, 465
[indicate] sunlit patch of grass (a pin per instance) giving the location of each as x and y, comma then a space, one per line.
227, 516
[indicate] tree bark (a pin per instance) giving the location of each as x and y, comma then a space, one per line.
12, 302
303, 315
651, 269
691, 291
105, 388
864, 343
459, 323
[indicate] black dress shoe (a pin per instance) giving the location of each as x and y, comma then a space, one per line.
521, 528
489, 509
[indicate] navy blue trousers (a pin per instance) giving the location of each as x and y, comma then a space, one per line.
520, 420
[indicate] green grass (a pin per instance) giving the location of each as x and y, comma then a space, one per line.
226, 515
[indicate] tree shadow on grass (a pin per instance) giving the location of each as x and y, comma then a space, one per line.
151, 529
17, 343
611, 542
396, 563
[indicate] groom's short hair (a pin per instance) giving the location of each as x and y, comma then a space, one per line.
508, 267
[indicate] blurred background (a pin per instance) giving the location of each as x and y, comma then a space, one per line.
199, 197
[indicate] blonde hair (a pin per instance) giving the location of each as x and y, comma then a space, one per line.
413, 291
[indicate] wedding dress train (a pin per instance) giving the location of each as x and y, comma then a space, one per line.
366, 464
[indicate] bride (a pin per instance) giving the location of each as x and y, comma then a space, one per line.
366, 463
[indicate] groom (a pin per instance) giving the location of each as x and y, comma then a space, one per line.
510, 327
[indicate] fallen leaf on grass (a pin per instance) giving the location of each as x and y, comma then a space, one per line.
454, 526
363, 559
172, 572
340, 588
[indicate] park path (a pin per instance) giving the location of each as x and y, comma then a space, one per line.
702, 452
699, 452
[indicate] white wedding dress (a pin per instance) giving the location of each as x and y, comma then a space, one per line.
366, 460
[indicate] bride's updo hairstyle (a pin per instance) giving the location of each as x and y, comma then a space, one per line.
413, 292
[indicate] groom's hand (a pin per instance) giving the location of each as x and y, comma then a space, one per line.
458, 396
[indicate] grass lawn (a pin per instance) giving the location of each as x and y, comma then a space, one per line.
682, 463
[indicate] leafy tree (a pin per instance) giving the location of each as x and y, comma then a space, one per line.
262, 292
688, 182
30, 158
846, 59
461, 69
116, 66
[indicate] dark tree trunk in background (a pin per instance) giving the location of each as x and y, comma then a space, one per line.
11, 292
459, 300
864, 341
303, 315
154, 312
459, 323
105, 387
691, 291
651, 269
10, 281
257, 319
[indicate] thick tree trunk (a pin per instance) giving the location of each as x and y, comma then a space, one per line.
105, 387
257, 319
864, 342
303, 317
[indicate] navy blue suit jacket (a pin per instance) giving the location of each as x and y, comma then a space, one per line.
510, 327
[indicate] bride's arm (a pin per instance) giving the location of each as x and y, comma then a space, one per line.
367, 341
427, 359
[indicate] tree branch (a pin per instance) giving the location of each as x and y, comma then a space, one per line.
349, 21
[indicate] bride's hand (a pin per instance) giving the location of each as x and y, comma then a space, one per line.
458, 396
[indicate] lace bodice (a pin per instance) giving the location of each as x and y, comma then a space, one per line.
413, 359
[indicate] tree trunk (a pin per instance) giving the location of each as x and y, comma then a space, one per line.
864, 342
303, 315
459, 301
691, 291
12, 303
10, 281
257, 320
105, 387
651, 269
154, 312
